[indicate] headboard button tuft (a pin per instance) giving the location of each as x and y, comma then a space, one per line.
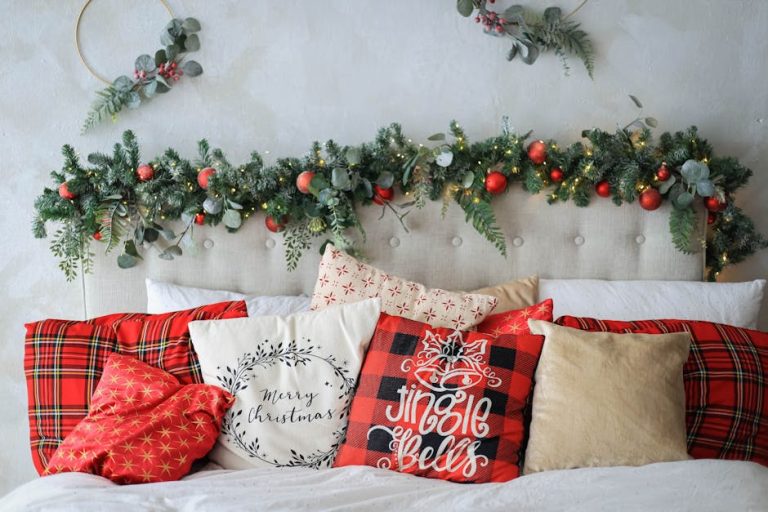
640, 239
208, 243
517, 241
394, 242
579, 240
457, 241
270, 243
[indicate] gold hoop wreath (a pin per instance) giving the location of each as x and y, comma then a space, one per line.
151, 75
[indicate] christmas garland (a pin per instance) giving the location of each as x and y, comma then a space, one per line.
121, 202
151, 75
532, 33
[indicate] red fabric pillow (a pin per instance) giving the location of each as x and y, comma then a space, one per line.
143, 426
63, 361
516, 320
726, 379
441, 403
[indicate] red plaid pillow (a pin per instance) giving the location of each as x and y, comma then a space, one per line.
63, 362
725, 384
516, 320
441, 403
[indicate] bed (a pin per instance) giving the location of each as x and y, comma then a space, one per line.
559, 241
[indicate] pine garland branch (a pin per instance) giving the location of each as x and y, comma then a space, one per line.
682, 226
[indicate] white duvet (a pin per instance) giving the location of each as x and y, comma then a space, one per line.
700, 485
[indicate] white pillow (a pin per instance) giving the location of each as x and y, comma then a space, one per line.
736, 304
293, 379
163, 297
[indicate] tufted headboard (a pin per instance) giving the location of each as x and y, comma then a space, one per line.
558, 241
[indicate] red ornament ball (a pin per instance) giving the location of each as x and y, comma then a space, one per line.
145, 172
603, 188
713, 204
556, 175
711, 217
537, 152
303, 180
200, 219
65, 193
382, 195
97, 235
663, 174
495, 182
273, 225
203, 177
650, 199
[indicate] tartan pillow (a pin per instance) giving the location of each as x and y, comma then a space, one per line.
516, 320
441, 403
725, 384
64, 359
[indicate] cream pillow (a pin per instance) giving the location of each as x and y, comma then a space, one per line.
605, 399
343, 279
514, 294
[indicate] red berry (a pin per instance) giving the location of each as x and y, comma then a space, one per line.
200, 219
556, 175
65, 193
477, 19
382, 195
205, 175
97, 235
499, 28
495, 183
603, 189
303, 181
650, 199
711, 217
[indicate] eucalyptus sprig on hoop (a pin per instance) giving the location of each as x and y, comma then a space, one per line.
532, 33
151, 75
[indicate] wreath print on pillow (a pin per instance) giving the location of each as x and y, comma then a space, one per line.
441, 403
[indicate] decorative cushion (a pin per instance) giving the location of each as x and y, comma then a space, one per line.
143, 426
293, 378
726, 377
726, 303
63, 362
514, 294
605, 399
342, 279
162, 297
516, 321
441, 403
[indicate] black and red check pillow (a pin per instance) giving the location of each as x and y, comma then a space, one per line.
726, 384
441, 403
64, 360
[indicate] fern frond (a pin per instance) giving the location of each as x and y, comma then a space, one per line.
113, 225
682, 226
296, 240
484, 221
108, 103
575, 41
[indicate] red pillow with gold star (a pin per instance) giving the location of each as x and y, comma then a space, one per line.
143, 425
516, 320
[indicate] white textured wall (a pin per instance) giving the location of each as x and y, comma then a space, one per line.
280, 74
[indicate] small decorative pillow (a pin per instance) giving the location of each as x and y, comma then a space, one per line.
143, 425
726, 384
63, 361
516, 321
342, 279
514, 294
605, 399
293, 378
441, 403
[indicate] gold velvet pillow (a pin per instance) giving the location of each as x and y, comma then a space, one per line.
514, 294
606, 399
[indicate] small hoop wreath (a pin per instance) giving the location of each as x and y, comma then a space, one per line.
151, 75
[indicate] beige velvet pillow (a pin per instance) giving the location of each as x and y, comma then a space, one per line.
605, 399
514, 294
343, 279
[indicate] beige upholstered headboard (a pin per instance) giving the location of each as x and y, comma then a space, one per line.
559, 241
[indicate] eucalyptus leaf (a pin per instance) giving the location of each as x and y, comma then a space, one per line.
683, 200
192, 43
172, 50
123, 83
138, 234
368, 187
212, 206
436, 137
175, 250
168, 233
652, 122
340, 178
326, 195
126, 261
635, 101
665, 186
133, 100
465, 7
386, 179
529, 52
130, 249
353, 156
705, 188
174, 27
160, 79
468, 179
167, 38
187, 217
149, 88
552, 14
318, 183
192, 68
234, 205
190, 25
162, 88
232, 219
445, 158
160, 57
151, 235
694, 171
145, 63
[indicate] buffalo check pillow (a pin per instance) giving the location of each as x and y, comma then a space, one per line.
342, 279
441, 403
64, 360
725, 377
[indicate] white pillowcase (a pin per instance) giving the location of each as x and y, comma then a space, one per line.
293, 379
735, 304
163, 297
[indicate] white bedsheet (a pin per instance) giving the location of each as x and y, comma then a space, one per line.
700, 485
